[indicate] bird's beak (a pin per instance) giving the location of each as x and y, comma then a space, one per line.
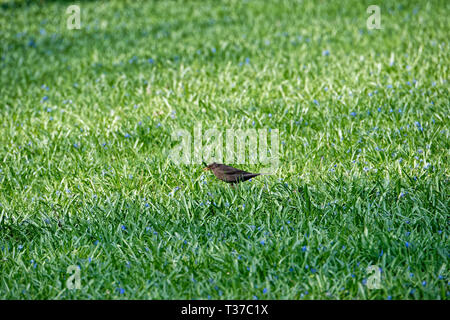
206, 169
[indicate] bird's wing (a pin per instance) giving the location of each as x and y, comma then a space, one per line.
230, 170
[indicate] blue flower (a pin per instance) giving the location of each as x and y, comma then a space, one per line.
407, 244
424, 283
353, 114
123, 227
316, 102
265, 290
262, 242
325, 52
304, 248
389, 297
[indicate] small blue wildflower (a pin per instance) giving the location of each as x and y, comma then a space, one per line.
325, 52
265, 290
424, 283
304, 248
123, 227
353, 114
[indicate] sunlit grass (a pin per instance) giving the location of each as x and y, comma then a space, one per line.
86, 118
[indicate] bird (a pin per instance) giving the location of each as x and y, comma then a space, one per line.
230, 174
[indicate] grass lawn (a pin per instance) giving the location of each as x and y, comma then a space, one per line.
86, 124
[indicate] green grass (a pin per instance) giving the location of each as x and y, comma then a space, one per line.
85, 177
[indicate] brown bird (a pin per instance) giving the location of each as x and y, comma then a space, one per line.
230, 174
